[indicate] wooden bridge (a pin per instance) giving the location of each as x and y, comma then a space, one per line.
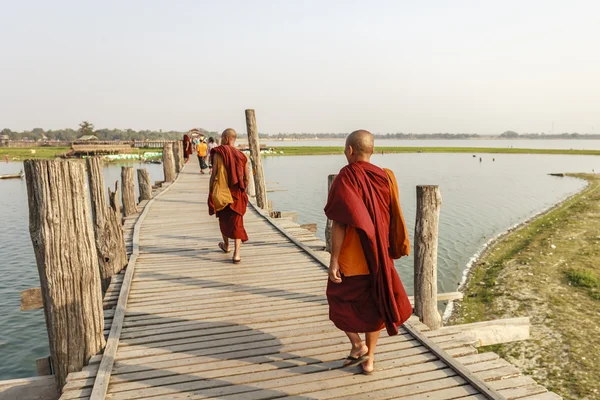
191, 324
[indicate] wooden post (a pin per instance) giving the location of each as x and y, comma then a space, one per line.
259, 176
144, 184
429, 201
168, 162
110, 245
251, 189
178, 156
181, 159
63, 242
128, 191
329, 223
113, 198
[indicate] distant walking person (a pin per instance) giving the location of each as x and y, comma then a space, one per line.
364, 290
202, 151
187, 147
211, 145
227, 196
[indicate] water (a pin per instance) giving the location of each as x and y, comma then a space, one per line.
480, 200
23, 336
495, 143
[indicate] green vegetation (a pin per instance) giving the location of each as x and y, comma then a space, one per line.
585, 279
20, 154
325, 150
548, 270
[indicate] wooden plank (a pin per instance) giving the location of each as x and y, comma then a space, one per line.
38, 388
102, 377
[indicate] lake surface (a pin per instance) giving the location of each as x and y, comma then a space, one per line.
496, 143
23, 336
480, 200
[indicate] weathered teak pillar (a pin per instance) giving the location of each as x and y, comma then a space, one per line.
110, 244
113, 198
128, 190
168, 160
259, 176
329, 223
144, 184
429, 201
181, 159
251, 189
178, 155
63, 241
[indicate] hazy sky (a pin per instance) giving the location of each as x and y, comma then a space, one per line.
304, 66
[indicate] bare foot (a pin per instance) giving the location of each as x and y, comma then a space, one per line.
368, 366
356, 353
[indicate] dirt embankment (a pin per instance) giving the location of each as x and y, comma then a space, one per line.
548, 270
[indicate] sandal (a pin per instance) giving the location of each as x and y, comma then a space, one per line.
223, 249
354, 361
239, 260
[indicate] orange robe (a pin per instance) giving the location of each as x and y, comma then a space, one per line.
365, 199
232, 164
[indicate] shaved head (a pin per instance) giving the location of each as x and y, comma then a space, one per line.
228, 137
362, 142
229, 133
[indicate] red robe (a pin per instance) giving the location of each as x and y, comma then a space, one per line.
360, 197
187, 147
231, 218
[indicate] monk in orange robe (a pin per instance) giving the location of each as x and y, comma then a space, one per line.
227, 196
364, 291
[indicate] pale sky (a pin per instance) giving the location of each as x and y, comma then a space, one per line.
304, 66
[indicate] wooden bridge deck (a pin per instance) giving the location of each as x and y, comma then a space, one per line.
198, 326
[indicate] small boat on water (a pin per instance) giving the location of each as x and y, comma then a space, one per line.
20, 175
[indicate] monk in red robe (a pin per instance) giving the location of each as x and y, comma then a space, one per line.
227, 192
364, 291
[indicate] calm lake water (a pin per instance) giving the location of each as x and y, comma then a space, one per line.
480, 200
517, 144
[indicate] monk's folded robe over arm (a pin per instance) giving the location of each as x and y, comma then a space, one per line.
228, 198
361, 197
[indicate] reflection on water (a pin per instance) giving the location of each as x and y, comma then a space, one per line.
23, 336
480, 200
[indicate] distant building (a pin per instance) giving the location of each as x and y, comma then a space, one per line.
87, 138
4, 140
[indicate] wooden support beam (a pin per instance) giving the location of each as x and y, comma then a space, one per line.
497, 331
329, 223
62, 235
44, 366
255, 157
108, 232
114, 200
168, 163
31, 299
178, 155
309, 227
128, 191
429, 202
144, 184
251, 189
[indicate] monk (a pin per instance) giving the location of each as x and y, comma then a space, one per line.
227, 196
364, 291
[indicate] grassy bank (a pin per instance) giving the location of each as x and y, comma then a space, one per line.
548, 270
324, 150
20, 154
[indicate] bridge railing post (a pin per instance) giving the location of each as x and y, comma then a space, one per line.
329, 223
168, 160
128, 191
108, 232
144, 184
429, 202
257, 169
62, 235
